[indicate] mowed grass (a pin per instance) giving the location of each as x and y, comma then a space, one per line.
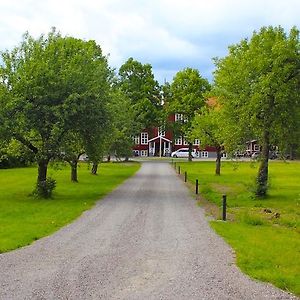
24, 218
265, 233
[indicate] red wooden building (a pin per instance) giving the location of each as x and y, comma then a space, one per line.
159, 142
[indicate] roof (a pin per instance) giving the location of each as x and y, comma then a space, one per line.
158, 137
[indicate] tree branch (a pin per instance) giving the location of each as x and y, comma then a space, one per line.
25, 143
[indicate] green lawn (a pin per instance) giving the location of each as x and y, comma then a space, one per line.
24, 219
264, 233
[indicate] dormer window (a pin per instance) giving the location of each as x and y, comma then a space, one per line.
178, 117
161, 131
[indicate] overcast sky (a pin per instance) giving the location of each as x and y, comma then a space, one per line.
168, 34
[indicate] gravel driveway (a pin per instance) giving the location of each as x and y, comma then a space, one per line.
146, 240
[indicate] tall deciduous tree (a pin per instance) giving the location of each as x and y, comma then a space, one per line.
186, 98
138, 83
123, 125
258, 88
45, 80
207, 127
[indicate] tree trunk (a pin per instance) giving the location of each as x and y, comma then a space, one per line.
42, 170
43, 189
73, 164
218, 161
126, 158
108, 158
262, 177
94, 169
190, 151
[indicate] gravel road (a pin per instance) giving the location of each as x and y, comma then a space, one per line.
146, 240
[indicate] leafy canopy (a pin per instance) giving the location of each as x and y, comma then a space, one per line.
137, 81
52, 85
186, 96
258, 87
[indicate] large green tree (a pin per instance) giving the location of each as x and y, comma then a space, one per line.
207, 126
258, 88
123, 124
88, 125
186, 97
44, 82
137, 81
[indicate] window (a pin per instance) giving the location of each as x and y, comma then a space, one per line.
197, 142
144, 138
185, 142
178, 117
136, 139
256, 147
178, 141
161, 131
224, 155
144, 153
204, 154
136, 153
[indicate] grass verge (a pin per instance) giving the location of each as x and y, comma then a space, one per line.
24, 218
265, 234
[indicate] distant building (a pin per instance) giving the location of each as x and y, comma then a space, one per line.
160, 142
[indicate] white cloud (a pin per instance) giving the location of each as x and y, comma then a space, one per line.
169, 34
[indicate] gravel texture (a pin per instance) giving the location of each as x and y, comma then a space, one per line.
146, 240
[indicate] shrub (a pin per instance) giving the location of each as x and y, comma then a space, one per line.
45, 188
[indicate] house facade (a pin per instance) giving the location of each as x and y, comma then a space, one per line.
161, 143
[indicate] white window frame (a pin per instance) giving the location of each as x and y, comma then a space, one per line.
136, 152
144, 153
144, 138
204, 154
196, 142
136, 139
185, 142
178, 117
161, 131
256, 147
224, 154
178, 141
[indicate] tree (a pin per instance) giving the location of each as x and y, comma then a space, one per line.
71, 151
44, 82
187, 97
258, 88
137, 82
89, 122
123, 125
207, 127
14, 154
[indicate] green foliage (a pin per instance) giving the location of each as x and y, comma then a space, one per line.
251, 219
207, 127
44, 189
257, 86
14, 154
187, 90
186, 96
123, 124
50, 86
25, 218
137, 82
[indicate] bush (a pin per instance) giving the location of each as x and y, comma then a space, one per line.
45, 188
